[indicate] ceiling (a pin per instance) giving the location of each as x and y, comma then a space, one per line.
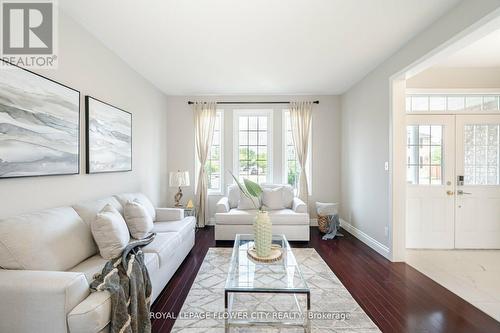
483, 53
202, 47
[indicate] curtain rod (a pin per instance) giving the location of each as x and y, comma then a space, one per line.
315, 102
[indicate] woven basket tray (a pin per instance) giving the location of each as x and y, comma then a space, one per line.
323, 223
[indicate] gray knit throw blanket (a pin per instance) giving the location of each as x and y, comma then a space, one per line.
128, 281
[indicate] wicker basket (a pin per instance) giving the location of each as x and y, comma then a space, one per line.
323, 223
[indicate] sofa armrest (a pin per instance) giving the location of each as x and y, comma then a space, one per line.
299, 206
222, 205
169, 214
92, 314
39, 301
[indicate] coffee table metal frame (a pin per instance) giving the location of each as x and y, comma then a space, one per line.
241, 243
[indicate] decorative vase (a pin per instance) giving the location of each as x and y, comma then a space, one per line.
263, 234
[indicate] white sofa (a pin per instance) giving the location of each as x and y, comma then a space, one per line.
292, 221
48, 259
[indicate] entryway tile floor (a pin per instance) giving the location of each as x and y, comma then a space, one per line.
474, 275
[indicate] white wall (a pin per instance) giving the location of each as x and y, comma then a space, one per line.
325, 140
86, 65
365, 202
456, 78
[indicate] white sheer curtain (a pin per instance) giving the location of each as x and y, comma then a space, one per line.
204, 123
300, 118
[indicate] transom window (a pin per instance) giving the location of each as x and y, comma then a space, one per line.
253, 143
452, 103
214, 165
424, 154
481, 154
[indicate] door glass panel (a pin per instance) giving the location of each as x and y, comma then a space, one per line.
424, 151
481, 154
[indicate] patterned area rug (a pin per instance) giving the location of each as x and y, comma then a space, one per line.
333, 307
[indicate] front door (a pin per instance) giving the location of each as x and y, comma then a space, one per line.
453, 181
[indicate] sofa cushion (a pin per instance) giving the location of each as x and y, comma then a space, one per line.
89, 209
138, 220
288, 194
245, 203
279, 217
233, 195
52, 240
272, 199
163, 246
186, 225
91, 315
139, 197
110, 232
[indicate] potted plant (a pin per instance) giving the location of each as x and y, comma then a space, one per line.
262, 223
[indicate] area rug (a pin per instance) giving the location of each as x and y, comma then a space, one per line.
331, 303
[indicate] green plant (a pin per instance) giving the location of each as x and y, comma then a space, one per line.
249, 189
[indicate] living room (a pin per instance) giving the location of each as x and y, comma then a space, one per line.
303, 216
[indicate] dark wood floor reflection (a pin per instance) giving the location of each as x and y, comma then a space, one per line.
396, 297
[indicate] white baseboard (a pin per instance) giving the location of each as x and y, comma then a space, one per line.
371, 242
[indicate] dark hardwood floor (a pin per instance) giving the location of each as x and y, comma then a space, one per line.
396, 297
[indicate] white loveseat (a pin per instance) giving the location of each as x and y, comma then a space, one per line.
292, 220
48, 259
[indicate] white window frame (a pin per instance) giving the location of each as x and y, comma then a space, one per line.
236, 138
285, 157
220, 112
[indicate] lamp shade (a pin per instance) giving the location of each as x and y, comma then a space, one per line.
179, 178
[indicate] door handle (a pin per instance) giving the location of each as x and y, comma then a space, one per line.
460, 192
450, 192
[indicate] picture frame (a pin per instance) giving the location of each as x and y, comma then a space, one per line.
39, 123
108, 137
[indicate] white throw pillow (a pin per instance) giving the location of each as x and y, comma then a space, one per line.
245, 203
272, 199
110, 232
138, 220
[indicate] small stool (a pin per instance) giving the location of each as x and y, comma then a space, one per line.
328, 219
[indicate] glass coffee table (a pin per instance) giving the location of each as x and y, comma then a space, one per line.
247, 276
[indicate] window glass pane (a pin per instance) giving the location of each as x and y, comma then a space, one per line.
473, 103
456, 103
252, 123
424, 155
243, 123
420, 103
490, 103
437, 103
253, 159
481, 154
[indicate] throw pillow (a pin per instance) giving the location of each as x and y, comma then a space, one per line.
138, 220
272, 199
110, 232
245, 203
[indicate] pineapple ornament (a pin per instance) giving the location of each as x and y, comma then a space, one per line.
262, 226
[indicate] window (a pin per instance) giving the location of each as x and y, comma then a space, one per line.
481, 155
214, 166
424, 154
291, 165
253, 145
452, 103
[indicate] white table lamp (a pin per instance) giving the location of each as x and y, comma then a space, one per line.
178, 179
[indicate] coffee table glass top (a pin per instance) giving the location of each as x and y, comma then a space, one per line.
246, 274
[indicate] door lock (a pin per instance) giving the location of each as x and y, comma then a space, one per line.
450, 192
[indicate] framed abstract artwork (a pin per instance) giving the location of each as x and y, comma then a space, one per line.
39, 125
109, 137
